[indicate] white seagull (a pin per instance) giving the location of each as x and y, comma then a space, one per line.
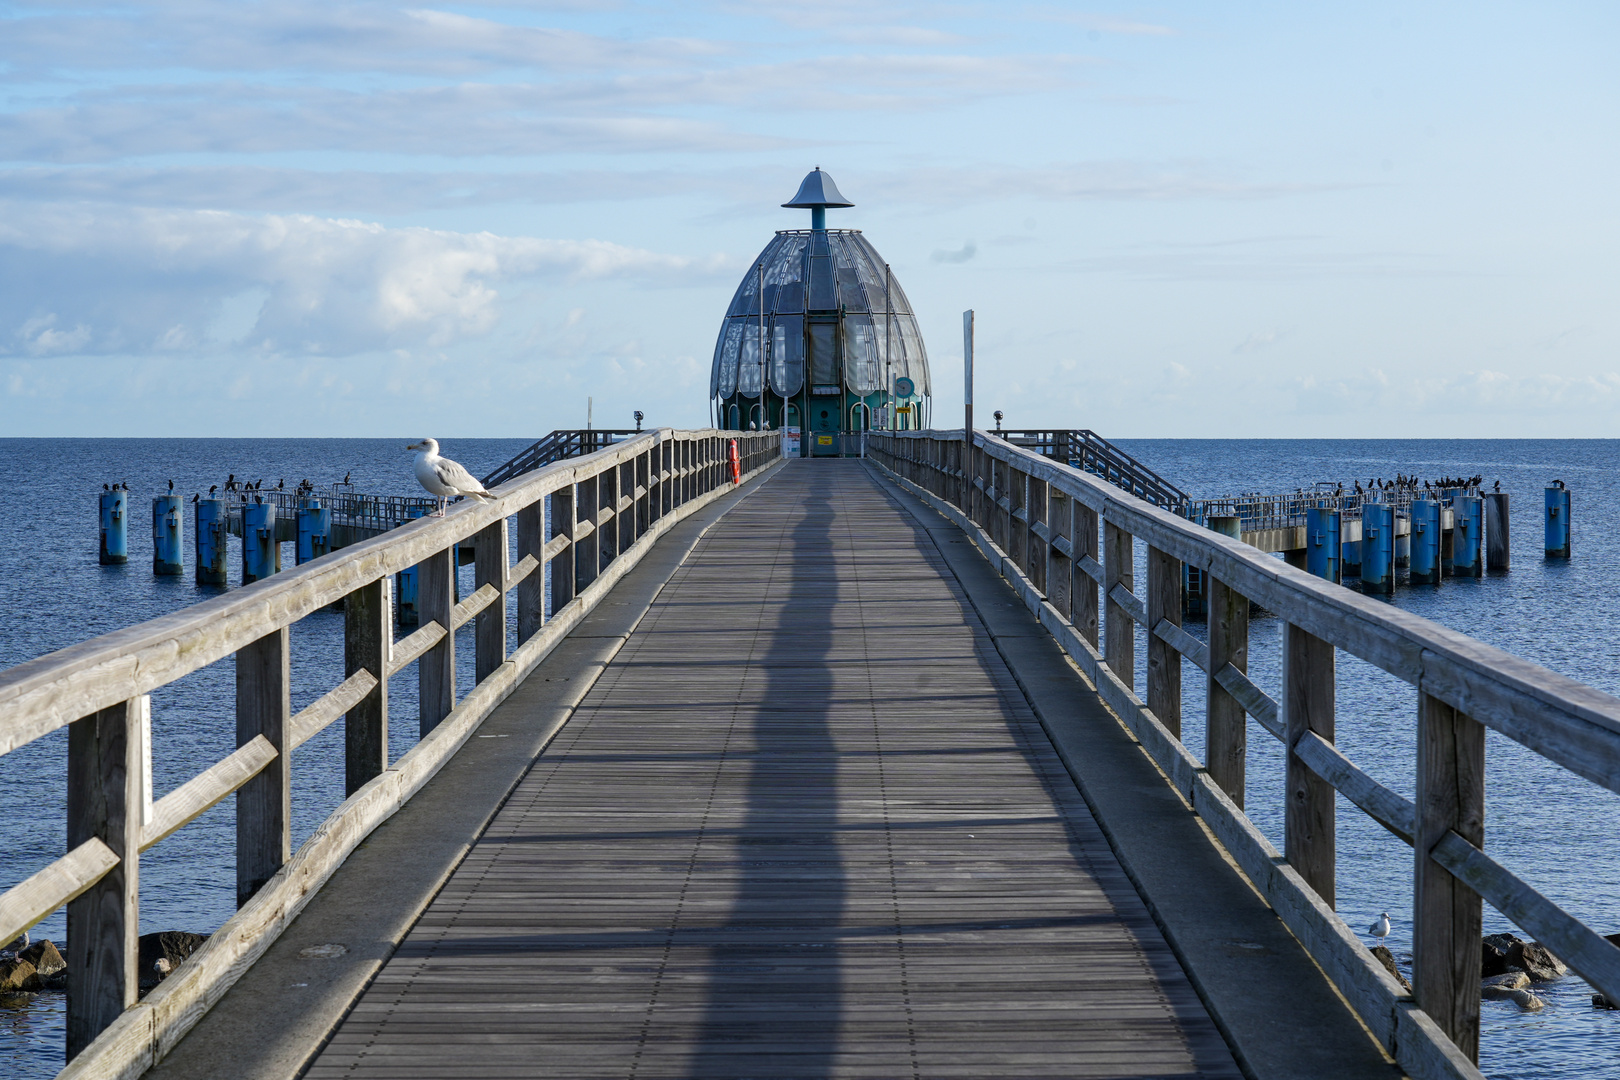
443, 477
1380, 929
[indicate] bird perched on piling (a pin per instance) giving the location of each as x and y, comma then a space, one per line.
171, 487
196, 499
106, 487
443, 477
211, 489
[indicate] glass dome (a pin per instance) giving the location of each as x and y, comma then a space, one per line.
829, 272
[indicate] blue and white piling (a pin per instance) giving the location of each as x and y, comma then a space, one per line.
1497, 548
1425, 569
210, 527
1322, 551
1378, 549
314, 530
1557, 522
1468, 536
261, 554
114, 527
168, 537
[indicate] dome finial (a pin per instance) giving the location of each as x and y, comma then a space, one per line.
815, 194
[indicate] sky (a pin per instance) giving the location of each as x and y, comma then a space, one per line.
1198, 220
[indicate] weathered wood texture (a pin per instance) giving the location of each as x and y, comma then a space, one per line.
436, 670
1119, 569
804, 825
1163, 661
1447, 915
264, 803
368, 632
1308, 707
1226, 735
106, 763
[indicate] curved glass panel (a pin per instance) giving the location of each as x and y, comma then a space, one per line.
863, 368
749, 361
787, 355
725, 359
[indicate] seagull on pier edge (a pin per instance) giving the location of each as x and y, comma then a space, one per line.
1380, 929
443, 477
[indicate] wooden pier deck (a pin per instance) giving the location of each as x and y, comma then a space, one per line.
804, 825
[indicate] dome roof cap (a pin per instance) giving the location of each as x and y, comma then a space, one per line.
818, 190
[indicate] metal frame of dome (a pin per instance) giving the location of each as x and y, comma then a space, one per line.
831, 300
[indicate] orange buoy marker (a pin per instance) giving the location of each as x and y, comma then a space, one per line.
736, 464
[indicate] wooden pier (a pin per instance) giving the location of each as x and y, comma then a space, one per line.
820, 813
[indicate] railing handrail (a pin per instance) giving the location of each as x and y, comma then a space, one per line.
1133, 476
1463, 685
535, 454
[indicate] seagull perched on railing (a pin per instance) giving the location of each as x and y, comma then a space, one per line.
443, 477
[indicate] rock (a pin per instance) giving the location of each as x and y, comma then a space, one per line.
1387, 958
1537, 961
1526, 1000
1601, 1002
19, 976
45, 957
1499, 987
172, 947
1496, 948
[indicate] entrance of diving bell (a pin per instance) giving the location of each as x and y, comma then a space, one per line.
826, 387
824, 427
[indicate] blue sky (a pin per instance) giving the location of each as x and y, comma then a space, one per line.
462, 220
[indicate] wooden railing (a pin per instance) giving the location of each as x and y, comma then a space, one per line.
605, 512
1039, 520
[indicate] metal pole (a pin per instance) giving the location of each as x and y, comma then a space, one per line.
762, 345
888, 351
967, 372
589, 406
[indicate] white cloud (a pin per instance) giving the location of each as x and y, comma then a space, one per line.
99, 281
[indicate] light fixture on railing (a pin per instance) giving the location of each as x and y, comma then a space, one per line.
998, 421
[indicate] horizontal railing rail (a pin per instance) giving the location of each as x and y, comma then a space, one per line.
1039, 520
583, 522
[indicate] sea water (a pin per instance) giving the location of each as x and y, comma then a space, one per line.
1557, 831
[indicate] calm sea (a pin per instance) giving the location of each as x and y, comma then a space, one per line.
1558, 832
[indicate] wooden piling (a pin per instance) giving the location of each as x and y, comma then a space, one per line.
1226, 733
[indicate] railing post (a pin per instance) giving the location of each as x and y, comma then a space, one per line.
106, 799
1039, 556
489, 568
264, 803
562, 571
531, 591
1018, 531
368, 634
1163, 662
1119, 568
1083, 593
436, 670
588, 548
1447, 915
1308, 705
1059, 567
1226, 736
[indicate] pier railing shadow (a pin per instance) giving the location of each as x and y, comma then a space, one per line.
1065, 540
580, 525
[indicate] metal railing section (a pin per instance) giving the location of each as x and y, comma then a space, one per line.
1090, 452
1038, 520
560, 444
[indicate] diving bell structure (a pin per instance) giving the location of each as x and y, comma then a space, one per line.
841, 350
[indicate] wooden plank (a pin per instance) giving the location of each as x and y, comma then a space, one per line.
315, 717
264, 802
1255, 701
406, 650
105, 799
1119, 572
190, 800
1308, 698
484, 597
1183, 642
1591, 955
1392, 811
1447, 915
1163, 661
42, 892
1225, 734
368, 637
436, 669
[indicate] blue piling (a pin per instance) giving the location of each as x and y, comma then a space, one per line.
1378, 549
1468, 536
1425, 542
1322, 545
314, 530
168, 554
1557, 522
114, 528
1403, 543
405, 588
210, 531
260, 552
